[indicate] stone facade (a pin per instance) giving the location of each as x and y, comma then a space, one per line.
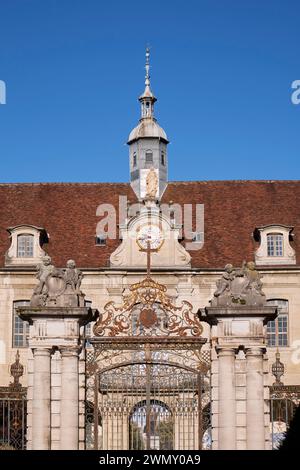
64, 220
198, 286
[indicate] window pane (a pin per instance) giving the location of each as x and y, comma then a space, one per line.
275, 244
271, 339
25, 246
277, 330
20, 327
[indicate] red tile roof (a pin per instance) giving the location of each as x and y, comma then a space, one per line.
232, 210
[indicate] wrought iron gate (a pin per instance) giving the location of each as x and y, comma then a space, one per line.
13, 411
146, 406
13, 423
145, 374
284, 400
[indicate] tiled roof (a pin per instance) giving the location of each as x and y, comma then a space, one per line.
232, 210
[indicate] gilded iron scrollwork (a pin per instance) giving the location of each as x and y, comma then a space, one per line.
148, 311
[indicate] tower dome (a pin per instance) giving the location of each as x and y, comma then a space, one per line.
147, 144
147, 127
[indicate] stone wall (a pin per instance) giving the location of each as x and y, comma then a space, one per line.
101, 286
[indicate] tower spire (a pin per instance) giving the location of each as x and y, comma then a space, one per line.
147, 67
147, 99
148, 147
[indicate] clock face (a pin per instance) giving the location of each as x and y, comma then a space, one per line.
150, 233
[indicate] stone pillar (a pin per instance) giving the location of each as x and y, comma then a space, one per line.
238, 386
255, 429
69, 399
56, 328
56, 314
227, 400
41, 399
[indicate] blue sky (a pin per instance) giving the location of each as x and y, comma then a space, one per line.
221, 69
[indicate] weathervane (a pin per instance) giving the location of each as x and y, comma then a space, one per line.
147, 67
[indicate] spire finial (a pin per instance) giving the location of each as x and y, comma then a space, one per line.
147, 67
147, 99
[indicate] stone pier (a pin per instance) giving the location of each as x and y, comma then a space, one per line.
69, 428
54, 410
255, 398
238, 315
41, 399
56, 315
227, 397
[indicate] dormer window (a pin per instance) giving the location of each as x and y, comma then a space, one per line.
26, 245
274, 245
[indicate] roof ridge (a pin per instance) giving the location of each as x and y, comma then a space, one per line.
93, 183
236, 181
62, 183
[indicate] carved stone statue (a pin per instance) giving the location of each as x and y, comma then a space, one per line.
223, 284
239, 286
73, 276
43, 271
58, 287
151, 184
254, 278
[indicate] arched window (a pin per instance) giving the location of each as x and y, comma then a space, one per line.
25, 245
163, 160
149, 156
148, 108
277, 330
134, 159
20, 328
275, 244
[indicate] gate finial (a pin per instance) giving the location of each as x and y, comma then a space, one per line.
278, 369
16, 371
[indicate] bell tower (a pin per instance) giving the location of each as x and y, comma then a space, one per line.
148, 146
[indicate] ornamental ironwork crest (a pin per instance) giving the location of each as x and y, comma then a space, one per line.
148, 311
